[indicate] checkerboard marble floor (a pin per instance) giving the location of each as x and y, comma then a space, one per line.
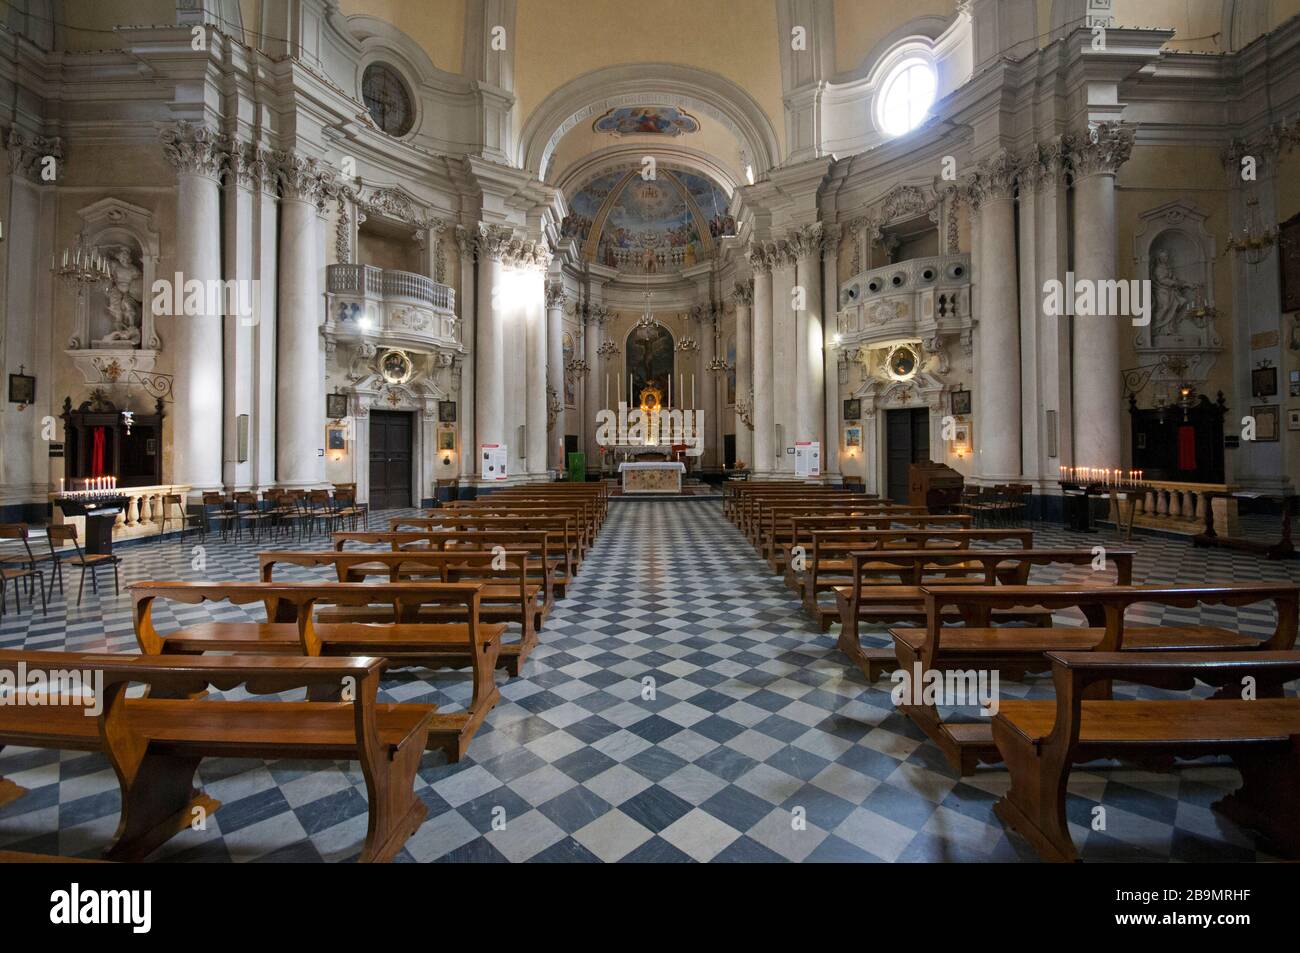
680, 707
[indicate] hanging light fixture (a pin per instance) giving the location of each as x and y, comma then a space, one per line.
82, 266
647, 319
1253, 242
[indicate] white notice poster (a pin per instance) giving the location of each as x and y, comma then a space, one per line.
492, 457
807, 459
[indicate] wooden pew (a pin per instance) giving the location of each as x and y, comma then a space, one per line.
155, 744
876, 600
830, 565
745, 506
1041, 740
760, 514
581, 510
1015, 652
548, 565
564, 540
505, 595
775, 526
779, 545
595, 491
291, 629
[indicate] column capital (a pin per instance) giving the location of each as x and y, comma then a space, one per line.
193, 149
555, 294
744, 293
26, 153
804, 241
1105, 148
760, 257
304, 178
492, 241
1044, 164
994, 178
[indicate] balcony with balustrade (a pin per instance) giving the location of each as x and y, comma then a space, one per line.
917, 297
390, 308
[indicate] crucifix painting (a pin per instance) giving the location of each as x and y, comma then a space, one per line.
650, 360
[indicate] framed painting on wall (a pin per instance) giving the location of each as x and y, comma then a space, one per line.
1263, 382
961, 403
446, 440
1266, 423
446, 411
853, 408
336, 438
852, 438
336, 406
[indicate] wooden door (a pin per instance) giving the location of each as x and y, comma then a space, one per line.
390, 459
907, 441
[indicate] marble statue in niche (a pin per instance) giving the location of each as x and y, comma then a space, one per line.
123, 300
1173, 295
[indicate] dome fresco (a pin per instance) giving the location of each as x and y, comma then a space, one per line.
624, 220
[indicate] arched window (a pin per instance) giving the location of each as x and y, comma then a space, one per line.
906, 95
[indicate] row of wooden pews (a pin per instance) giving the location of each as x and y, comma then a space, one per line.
959, 604
451, 593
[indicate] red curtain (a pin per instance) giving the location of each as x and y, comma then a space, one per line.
97, 452
1187, 448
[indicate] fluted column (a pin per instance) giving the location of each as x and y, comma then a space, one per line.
706, 386
300, 384
830, 356
555, 373
1098, 404
744, 295
489, 365
196, 344
536, 407
763, 462
998, 434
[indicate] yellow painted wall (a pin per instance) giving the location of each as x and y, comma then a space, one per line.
437, 25
558, 42
1197, 22
860, 26
1279, 11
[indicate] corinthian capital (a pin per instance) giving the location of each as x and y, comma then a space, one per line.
744, 293
994, 178
805, 241
493, 241
302, 177
1107, 146
27, 153
193, 149
555, 294
759, 258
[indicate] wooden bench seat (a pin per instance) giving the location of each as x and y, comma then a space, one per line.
1041, 740
155, 743
544, 547
1014, 652
292, 628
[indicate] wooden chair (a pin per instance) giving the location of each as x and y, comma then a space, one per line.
344, 508
67, 533
218, 510
175, 502
20, 565
317, 508
249, 512
1040, 741
155, 744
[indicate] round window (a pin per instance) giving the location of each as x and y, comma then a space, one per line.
906, 96
387, 99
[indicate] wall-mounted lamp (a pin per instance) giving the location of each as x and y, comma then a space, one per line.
446, 459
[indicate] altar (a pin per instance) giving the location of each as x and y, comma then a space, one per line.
660, 476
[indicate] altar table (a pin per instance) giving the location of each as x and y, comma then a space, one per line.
662, 476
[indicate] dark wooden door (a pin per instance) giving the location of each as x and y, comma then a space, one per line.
390, 459
907, 441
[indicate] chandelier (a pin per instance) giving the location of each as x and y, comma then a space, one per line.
607, 348
82, 266
688, 344
578, 367
647, 319
1254, 241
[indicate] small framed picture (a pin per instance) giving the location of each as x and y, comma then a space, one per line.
1266, 423
22, 389
1263, 382
1295, 383
961, 403
1293, 420
852, 438
446, 440
447, 411
336, 406
336, 438
853, 408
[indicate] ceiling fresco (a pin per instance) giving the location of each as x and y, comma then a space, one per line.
646, 120
666, 223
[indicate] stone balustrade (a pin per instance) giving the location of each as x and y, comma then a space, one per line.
1181, 507
143, 513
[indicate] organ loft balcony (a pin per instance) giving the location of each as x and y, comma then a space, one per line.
392, 308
